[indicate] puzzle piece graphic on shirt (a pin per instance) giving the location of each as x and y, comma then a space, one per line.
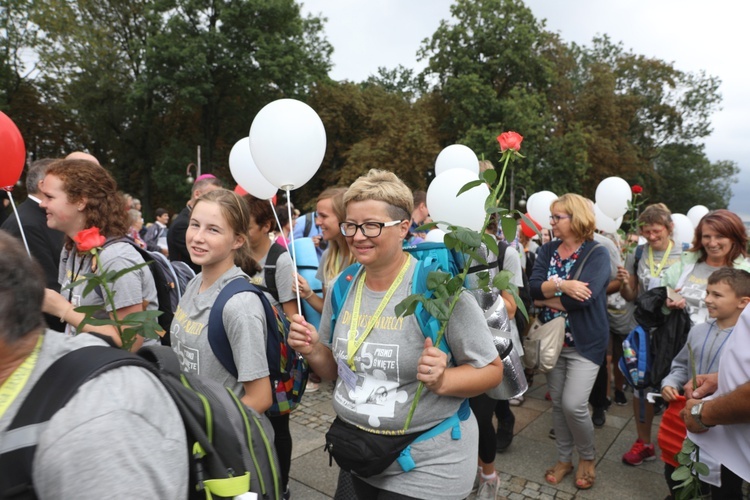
377, 397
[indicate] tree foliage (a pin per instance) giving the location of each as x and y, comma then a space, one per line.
141, 83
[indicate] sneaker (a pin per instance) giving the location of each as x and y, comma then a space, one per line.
639, 453
505, 433
488, 489
516, 401
476, 479
311, 386
599, 417
551, 433
287, 494
620, 398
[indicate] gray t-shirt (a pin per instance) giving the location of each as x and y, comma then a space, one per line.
120, 436
130, 289
694, 291
283, 273
244, 322
645, 279
385, 367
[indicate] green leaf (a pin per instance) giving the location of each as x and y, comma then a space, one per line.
502, 280
681, 473
490, 241
141, 316
684, 459
438, 309
509, 226
122, 272
496, 210
450, 241
455, 285
436, 278
424, 228
489, 176
688, 446
409, 304
701, 469
519, 302
469, 185
468, 237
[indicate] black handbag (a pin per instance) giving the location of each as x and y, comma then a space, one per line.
364, 453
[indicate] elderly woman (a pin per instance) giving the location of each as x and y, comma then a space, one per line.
583, 301
380, 359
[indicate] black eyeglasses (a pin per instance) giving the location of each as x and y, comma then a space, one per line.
368, 229
557, 218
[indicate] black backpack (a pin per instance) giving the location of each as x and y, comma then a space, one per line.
269, 270
235, 440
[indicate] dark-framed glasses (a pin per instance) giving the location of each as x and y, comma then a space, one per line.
557, 218
369, 229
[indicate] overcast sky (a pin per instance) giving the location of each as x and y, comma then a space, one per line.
709, 36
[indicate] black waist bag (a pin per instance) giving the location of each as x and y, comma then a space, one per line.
364, 453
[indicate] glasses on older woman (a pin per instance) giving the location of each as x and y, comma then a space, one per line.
369, 229
557, 218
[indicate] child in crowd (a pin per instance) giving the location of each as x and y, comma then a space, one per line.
727, 294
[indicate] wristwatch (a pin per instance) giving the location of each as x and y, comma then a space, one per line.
695, 412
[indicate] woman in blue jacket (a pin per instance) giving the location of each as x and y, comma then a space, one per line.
584, 304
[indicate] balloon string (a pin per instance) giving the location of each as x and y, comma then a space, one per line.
275, 215
18, 219
291, 246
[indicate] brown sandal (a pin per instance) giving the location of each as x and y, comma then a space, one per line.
556, 474
586, 476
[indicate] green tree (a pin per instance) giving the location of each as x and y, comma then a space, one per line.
687, 178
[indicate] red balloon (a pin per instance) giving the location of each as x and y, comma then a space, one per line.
12, 153
529, 231
238, 189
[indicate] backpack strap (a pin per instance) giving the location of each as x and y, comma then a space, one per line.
501, 248
339, 292
217, 334
638, 255
308, 224
57, 385
269, 270
453, 422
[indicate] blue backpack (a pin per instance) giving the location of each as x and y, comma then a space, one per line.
431, 257
288, 371
636, 359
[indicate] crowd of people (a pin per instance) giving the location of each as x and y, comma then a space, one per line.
595, 284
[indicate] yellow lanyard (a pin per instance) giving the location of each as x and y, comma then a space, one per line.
354, 343
661, 264
12, 387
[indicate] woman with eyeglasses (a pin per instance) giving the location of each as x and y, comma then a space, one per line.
583, 302
645, 269
378, 358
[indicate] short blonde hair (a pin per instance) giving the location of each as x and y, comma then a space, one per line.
582, 220
381, 185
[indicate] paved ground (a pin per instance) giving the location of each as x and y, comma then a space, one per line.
521, 467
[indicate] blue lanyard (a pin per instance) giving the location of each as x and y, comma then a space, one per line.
700, 363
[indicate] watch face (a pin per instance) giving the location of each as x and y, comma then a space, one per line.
695, 410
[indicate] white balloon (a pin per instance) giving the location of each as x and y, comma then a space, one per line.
538, 206
435, 236
683, 230
288, 142
612, 196
457, 156
604, 223
246, 173
466, 210
696, 213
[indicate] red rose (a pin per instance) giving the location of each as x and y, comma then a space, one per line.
637, 189
509, 140
89, 238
